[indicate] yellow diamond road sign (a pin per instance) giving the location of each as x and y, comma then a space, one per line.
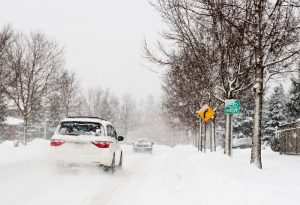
206, 113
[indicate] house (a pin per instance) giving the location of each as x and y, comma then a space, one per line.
11, 129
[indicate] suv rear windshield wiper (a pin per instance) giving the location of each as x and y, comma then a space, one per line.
75, 134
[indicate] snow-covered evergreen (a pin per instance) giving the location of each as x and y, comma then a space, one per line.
243, 122
275, 113
293, 105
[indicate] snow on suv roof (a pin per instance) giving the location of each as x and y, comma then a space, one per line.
87, 119
142, 139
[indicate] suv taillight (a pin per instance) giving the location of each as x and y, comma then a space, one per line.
56, 142
101, 144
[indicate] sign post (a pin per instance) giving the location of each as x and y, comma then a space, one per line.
206, 113
200, 136
232, 106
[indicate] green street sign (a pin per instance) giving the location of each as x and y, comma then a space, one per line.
232, 106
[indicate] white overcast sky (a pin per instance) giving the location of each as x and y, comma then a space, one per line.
103, 39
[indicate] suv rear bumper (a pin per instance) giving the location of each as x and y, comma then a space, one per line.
142, 149
104, 159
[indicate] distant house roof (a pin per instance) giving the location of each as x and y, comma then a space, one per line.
13, 121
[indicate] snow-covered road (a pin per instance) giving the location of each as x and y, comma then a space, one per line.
30, 178
177, 175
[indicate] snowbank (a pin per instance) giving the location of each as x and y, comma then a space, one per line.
7, 143
169, 176
214, 178
36, 149
184, 148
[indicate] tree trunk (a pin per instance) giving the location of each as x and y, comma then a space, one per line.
25, 124
204, 137
45, 129
228, 137
200, 148
45, 122
213, 133
258, 87
196, 137
257, 124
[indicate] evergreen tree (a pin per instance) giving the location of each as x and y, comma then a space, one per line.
293, 105
274, 113
243, 122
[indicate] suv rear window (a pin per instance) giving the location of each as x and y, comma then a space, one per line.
80, 128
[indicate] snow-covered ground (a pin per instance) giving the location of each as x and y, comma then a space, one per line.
178, 175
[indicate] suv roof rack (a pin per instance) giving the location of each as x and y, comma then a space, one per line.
87, 117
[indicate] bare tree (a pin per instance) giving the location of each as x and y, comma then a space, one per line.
102, 103
65, 99
36, 59
276, 44
244, 42
231, 56
68, 92
188, 79
210, 54
128, 113
273, 37
6, 76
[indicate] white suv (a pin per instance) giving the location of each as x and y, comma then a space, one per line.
87, 140
142, 145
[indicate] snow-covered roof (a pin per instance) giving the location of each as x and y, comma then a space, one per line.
142, 139
13, 121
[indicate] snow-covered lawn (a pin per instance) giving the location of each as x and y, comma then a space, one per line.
178, 175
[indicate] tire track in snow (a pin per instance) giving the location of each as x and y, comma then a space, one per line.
128, 180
